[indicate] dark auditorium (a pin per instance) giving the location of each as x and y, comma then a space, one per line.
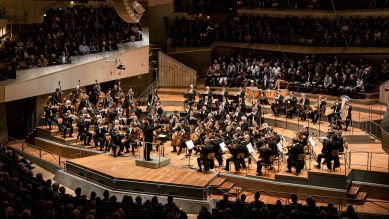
194, 109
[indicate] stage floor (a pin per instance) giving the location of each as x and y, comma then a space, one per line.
124, 168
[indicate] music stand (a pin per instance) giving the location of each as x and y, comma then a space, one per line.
190, 145
312, 144
162, 138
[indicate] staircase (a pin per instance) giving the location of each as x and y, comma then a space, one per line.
30, 138
355, 195
220, 186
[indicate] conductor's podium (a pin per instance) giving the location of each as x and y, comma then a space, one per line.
155, 163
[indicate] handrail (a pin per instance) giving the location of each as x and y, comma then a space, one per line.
143, 96
369, 159
38, 148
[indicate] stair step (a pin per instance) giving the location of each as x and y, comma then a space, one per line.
361, 196
218, 181
226, 186
353, 191
235, 190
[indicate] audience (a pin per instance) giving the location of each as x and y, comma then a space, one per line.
315, 4
61, 36
342, 32
310, 73
23, 195
226, 209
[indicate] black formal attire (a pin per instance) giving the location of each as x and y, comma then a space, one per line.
291, 103
203, 159
148, 137
50, 115
335, 115
241, 148
100, 136
67, 123
294, 152
116, 141
190, 97
278, 105
94, 94
128, 100
321, 106
305, 106
83, 132
266, 154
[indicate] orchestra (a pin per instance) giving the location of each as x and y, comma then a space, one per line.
117, 122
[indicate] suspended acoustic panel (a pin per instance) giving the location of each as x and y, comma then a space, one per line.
129, 10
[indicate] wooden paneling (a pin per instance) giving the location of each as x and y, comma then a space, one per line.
172, 73
384, 95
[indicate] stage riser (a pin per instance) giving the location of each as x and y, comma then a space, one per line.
370, 176
374, 191
138, 186
327, 180
190, 206
298, 188
370, 99
64, 150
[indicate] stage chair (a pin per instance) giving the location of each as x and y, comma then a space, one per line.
270, 165
210, 157
239, 156
302, 159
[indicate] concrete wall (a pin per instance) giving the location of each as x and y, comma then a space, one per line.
45, 80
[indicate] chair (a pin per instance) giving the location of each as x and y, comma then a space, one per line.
210, 156
301, 159
269, 165
240, 156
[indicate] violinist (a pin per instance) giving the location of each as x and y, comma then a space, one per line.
67, 123
99, 137
131, 136
266, 151
151, 116
304, 103
333, 142
84, 103
190, 96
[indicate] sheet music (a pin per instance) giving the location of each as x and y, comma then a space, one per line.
311, 141
189, 144
323, 138
250, 148
161, 136
223, 147
279, 146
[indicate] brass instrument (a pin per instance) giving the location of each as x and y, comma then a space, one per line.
344, 107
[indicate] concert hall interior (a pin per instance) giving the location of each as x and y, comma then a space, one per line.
209, 109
